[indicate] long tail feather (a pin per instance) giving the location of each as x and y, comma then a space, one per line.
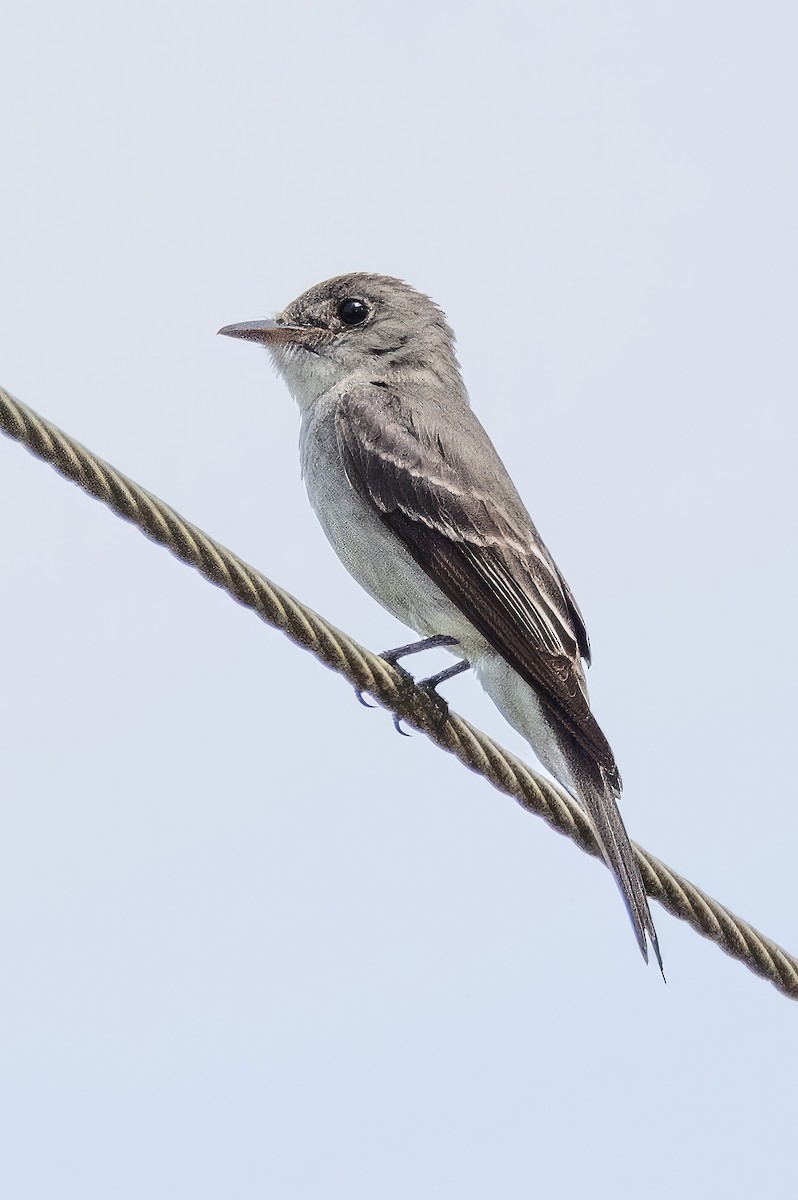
599, 796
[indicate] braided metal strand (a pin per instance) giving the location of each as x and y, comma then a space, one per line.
396, 692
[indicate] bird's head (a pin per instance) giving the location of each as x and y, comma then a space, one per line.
357, 327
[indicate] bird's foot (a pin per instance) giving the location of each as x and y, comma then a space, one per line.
392, 658
428, 685
407, 678
431, 684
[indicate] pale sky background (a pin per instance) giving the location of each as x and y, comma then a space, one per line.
254, 944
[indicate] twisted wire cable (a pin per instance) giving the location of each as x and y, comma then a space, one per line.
392, 689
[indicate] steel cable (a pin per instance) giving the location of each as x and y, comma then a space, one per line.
393, 689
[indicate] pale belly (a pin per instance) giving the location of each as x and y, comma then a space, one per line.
372, 554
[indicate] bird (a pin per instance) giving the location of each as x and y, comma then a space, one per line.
417, 504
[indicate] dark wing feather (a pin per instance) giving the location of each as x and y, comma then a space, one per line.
465, 524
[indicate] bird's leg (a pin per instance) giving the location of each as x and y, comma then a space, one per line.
429, 643
430, 686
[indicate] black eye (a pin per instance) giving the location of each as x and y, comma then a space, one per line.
352, 312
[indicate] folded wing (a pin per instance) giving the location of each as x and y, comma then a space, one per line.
461, 518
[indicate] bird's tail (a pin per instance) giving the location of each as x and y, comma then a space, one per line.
585, 766
598, 792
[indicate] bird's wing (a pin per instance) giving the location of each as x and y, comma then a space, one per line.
452, 504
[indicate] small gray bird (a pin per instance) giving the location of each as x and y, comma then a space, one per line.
418, 506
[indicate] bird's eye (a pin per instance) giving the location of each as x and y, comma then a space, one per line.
353, 312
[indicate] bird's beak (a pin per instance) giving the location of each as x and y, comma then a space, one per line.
268, 333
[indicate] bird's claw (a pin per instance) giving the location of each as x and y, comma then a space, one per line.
440, 709
407, 677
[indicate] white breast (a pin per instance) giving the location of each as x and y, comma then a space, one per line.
371, 553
